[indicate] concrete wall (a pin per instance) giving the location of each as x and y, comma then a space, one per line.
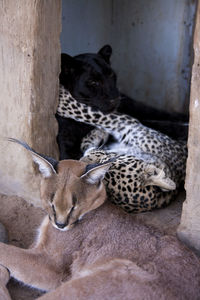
86, 25
30, 57
189, 229
150, 39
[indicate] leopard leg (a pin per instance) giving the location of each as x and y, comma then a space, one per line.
94, 139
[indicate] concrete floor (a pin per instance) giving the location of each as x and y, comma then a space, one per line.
21, 221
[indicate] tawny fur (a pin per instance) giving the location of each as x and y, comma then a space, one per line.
106, 254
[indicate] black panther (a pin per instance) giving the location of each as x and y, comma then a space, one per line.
91, 80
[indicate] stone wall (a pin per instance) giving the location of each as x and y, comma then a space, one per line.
30, 60
189, 229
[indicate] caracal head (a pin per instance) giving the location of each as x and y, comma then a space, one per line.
71, 192
69, 188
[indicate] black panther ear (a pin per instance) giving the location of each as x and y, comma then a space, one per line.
67, 62
69, 65
106, 52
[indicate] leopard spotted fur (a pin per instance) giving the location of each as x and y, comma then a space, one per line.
148, 166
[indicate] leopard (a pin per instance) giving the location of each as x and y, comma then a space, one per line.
148, 167
91, 79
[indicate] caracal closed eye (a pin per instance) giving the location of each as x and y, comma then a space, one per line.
69, 188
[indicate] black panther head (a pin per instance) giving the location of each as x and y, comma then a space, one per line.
90, 79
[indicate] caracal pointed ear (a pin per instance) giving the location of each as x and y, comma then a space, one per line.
95, 173
157, 177
47, 165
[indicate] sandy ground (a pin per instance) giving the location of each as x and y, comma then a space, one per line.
22, 219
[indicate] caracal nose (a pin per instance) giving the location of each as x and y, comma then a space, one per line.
60, 225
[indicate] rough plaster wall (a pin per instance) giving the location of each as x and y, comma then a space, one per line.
152, 50
150, 40
189, 229
86, 25
30, 56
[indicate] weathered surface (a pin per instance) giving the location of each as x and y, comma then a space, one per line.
30, 55
189, 229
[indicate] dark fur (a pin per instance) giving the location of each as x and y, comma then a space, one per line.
175, 125
91, 80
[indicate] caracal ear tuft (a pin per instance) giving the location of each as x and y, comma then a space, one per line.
95, 172
157, 177
47, 165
